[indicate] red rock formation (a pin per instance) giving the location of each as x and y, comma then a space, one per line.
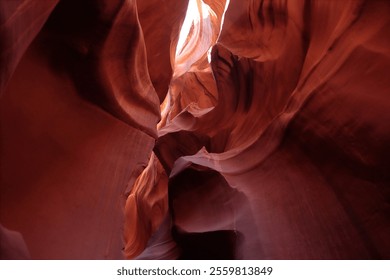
78, 123
161, 28
294, 130
271, 144
19, 25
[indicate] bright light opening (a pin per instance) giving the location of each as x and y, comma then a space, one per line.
196, 11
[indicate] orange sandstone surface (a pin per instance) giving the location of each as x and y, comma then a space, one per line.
241, 129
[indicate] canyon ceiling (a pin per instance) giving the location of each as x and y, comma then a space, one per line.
263, 133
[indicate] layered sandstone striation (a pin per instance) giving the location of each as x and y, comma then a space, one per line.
260, 135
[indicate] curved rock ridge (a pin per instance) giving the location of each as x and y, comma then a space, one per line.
161, 28
295, 129
18, 27
241, 129
78, 124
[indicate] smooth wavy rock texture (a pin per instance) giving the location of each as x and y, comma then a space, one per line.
241, 129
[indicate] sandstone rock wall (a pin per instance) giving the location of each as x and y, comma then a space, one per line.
264, 136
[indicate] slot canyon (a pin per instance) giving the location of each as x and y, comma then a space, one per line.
194, 129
